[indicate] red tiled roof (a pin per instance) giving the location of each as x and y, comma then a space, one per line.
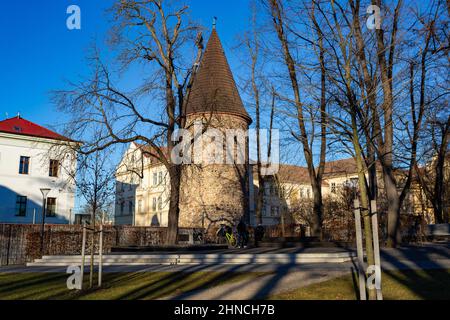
214, 89
20, 126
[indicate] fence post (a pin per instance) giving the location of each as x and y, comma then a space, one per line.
83, 246
100, 258
8, 249
376, 244
360, 252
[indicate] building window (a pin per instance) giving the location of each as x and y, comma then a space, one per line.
275, 211
160, 178
266, 189
160, 203
24, 165
140, 209
155, 178
155, 221
21, 206
122, 207
53, 169
154, 204
130, 207
272, 190
50, 211
333, 187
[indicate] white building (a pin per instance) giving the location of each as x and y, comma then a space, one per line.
31, 159
142, 189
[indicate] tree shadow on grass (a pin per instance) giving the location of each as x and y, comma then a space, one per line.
218, 279
30, 283
430, 281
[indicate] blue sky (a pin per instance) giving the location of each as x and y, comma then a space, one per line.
38, 53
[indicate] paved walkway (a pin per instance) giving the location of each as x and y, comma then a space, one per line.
282, 278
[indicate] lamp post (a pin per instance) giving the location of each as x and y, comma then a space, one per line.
44, 192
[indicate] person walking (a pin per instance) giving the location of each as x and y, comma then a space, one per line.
259, 234
242, 234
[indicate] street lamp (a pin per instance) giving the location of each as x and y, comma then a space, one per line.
44, 192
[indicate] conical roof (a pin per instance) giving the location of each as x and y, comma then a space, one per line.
214, 89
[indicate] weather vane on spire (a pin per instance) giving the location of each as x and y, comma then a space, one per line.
214, 22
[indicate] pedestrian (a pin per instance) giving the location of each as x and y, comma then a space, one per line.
259, 233
242, 234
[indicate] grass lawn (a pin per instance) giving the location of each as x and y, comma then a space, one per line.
396, 285
138, 285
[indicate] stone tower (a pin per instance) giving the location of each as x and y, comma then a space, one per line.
212, 193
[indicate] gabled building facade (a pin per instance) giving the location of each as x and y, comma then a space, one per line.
142, 189
28, 163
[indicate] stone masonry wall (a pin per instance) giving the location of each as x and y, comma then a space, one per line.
214, 193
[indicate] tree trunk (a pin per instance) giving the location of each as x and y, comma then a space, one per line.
439, 190
387, 148
318, 211
393, 223
365, 208
259, 201
174, 209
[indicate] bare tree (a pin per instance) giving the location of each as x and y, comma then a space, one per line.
95, 183
150, 34
284, 29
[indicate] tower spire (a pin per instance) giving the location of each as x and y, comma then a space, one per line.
214, 23
214, 88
